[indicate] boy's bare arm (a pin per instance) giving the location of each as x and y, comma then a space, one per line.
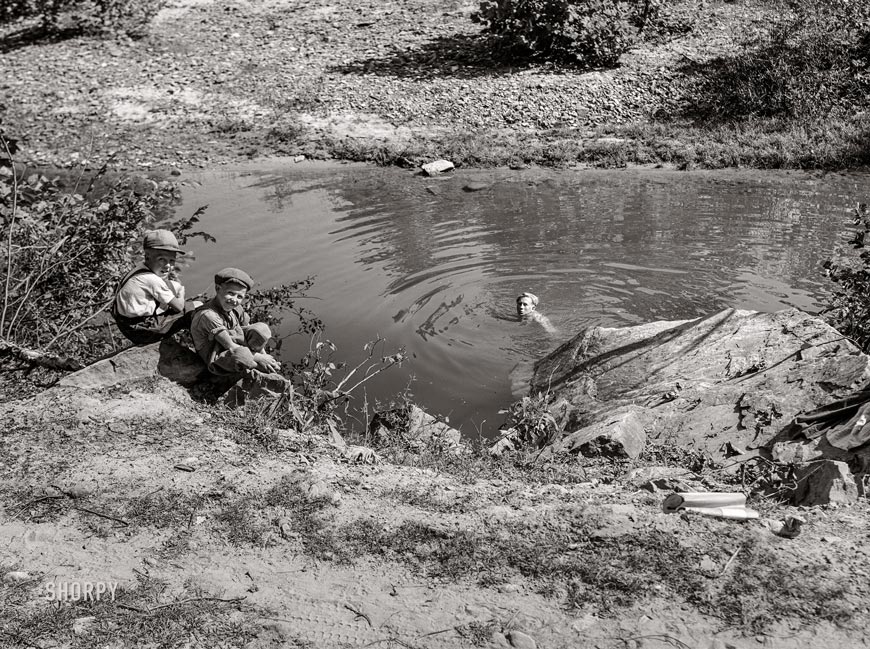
177, 303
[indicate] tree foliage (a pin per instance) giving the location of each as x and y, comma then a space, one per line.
849, 307
62, 251
588, 33
129, 17
812, 60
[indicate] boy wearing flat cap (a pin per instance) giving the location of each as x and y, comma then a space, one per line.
223, 334
149, 301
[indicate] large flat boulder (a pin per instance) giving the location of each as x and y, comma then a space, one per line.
736, 376
166, 358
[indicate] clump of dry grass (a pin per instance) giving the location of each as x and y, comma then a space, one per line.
142, 615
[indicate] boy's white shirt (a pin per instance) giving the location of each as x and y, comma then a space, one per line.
137, 297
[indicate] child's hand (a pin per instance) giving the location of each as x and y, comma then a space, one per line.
266, 362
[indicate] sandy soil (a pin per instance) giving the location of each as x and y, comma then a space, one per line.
127, 518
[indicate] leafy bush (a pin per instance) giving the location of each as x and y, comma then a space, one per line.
129, 17
849, 306
529, 422
590, 33
62, 252
813, 60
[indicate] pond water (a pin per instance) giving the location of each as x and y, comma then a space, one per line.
435, 268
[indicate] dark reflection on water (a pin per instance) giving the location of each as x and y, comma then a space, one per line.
436, 269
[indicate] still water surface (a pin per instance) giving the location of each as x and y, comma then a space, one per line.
436, 269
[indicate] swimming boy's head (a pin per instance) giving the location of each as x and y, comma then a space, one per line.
526, 303
161, 249
231, 286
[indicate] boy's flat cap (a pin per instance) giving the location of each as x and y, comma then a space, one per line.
234, 275
161, 240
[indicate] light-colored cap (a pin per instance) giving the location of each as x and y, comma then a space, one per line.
161, 240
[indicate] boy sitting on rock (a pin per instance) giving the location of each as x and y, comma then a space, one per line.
223, 334
149, 301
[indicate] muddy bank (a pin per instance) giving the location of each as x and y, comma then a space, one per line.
219, 532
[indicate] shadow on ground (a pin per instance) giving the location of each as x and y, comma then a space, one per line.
35, 35
457, 56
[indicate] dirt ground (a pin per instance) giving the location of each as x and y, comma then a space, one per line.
212, 82
222, 538
222, 535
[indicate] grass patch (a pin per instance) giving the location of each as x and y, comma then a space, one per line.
762, 142
150, 619
762, 590
242, 520
610, 573
165, 508
570, 559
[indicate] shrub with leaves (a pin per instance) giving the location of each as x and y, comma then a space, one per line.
130, 17
849, 305
811, 60
529, 422
63, 251
589, 33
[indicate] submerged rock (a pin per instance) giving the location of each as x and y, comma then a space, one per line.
736, 376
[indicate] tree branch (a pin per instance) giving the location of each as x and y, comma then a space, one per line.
40, 358
9, 238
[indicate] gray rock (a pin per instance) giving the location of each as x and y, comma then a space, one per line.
497, 639
520, 640
824, 482
166, 358
474, 187
659, 478
318, 490
81, 625
437, 167
621, 434
428, 430
736, 376
16, 577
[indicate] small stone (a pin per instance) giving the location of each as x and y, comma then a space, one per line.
78, 491
16, 576
474, 187
708, 566
298, 158
520, 640
318, 490
285, 528
509, 588
437, 167
498, 639
82, 625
